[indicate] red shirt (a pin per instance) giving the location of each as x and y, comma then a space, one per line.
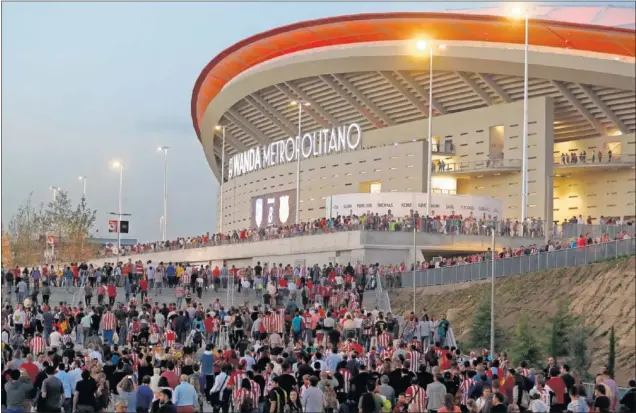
208, 323
31, 369
139, 268
143, 285
173, 380
75, 271
558, 386
45, 270
112, 291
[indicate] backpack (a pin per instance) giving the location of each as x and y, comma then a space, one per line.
238, 322
331, 400
247, 406
368, 403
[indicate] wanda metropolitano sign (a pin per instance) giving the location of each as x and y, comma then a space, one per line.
318, 143
400, 204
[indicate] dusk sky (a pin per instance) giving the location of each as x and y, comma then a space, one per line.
84, 84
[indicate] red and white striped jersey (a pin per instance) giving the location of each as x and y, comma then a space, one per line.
467, 383
216, 306
185, 277
256, 391
269, 384
387, 353
169, 337
235, 381
415, 358
279, 323
108, 321
416, 395
177, 369
384, 340
346, 374
37, 345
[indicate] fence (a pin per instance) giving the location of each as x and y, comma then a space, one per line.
524, 264
594, 230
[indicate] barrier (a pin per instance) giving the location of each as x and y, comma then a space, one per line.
570, 257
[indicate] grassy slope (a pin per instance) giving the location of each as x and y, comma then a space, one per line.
604, 293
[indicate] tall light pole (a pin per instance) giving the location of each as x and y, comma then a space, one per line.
524, 11
424, 45
299, 139
83, 178
164, 232
55, 189
222, 129
119, 165
492, 298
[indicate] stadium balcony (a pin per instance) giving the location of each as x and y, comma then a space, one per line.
485, 167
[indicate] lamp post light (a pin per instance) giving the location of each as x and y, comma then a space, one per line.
300, 104
222, 129
55, 190
523, 11
117, 164
83, 178
164, 232
422, 45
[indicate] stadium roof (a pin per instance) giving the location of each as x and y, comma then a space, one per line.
383, 98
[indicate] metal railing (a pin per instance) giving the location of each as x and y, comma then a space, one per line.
568, 230
569, 257
447, 227
592, 159
474, 166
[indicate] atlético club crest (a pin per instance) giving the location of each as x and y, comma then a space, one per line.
283, 209
258, 212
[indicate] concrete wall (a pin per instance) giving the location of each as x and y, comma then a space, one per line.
608, 190
395, 157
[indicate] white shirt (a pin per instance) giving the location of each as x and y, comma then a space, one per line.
151, 271
56, 339
160, 320
19, 317
220, 383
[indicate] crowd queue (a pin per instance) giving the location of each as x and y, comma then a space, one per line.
305, 343
452, 224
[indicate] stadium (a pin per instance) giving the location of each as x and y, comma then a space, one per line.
353, 91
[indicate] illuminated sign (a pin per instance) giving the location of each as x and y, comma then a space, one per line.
317, 143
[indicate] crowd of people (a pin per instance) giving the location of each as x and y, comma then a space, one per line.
453, 224
573, 158
304, 343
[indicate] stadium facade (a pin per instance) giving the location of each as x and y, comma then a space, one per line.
359, 87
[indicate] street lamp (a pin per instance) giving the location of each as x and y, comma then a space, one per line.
492, 297
300, 104
117, 164
222, 129
83, 178
164, 232
523, 12
55, 189
423, 45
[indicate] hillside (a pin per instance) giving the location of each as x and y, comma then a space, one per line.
603, 293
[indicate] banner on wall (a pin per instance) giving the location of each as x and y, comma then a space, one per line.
277, 208
400, 204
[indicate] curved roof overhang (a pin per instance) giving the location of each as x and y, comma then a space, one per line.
378, 27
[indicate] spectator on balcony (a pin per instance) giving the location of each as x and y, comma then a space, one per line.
609, 155
600, 156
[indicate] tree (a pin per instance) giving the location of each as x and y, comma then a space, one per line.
578, 350
611, 359
71, 226
26, 234
526, 346
559, 326
480, 328
7, 256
